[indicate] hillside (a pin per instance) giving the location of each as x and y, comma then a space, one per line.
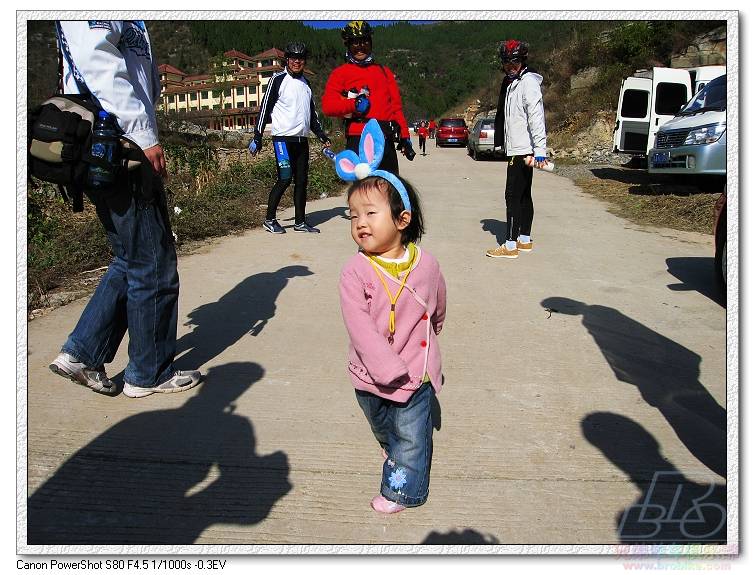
442, 68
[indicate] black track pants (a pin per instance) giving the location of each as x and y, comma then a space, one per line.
519, 207
422, 142
292, 162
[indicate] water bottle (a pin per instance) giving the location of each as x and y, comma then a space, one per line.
547, 166
104, 147
328, 153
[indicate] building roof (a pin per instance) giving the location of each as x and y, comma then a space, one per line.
272, 52
198, 77
236, 54
170, 69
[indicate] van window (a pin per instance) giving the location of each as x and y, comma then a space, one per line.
635, 104
669, 98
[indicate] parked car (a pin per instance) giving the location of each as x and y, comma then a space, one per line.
481, 138
650, 98
452, 131
694, 141
719, 234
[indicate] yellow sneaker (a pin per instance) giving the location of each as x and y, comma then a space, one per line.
502, 252
524, 247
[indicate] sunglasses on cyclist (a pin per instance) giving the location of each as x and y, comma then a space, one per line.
511, 60
360, 41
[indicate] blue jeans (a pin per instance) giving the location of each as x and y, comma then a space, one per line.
139, 291
405, 431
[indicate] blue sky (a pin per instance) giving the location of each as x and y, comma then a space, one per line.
342, 23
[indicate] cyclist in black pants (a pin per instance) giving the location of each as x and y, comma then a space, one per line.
289, 106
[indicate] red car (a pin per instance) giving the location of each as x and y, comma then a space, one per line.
452, 131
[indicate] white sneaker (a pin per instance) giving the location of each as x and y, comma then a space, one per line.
181, 381
95, 379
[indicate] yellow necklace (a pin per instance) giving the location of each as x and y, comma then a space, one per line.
394, 299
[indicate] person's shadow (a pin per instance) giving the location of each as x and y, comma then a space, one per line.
671, 508
498, 228
459, 537
322, 216
665, 373
164, 476
696, 274
246, 309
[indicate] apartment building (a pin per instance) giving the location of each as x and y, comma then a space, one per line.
229, 97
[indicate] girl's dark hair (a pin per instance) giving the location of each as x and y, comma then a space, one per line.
411, 233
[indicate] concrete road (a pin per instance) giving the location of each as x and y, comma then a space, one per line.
581, 379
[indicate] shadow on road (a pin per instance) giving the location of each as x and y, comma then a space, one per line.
245, 309
497, 228
164, 476
322, 216
457, 537
664, 372
671, 508
696, 274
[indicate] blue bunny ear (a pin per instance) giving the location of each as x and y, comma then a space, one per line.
372, 144
346, 163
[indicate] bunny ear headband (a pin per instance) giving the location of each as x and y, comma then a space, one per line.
351, 167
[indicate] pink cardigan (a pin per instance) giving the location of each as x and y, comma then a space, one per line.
393, 371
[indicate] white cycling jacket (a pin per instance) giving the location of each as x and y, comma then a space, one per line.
113, 60
288, 105
520, 125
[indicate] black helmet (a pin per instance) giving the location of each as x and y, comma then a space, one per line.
514, 50
356, 29
296, 50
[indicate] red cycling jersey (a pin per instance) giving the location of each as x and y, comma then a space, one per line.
385, 100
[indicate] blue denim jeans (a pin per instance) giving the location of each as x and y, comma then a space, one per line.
139, 291
405, 431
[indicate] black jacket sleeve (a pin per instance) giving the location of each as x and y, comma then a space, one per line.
314, 122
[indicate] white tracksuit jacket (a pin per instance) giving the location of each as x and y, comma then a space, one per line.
114, 60
524, 131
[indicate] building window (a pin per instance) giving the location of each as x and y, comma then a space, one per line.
205, 95
240, 91
193, 96
205, 107
227, 93
216, 106
182, 97
227, 105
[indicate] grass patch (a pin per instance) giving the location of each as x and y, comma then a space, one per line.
644, 199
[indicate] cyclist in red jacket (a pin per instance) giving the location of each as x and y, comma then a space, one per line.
360, 90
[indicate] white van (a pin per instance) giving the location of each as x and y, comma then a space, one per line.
694, 141
650, 98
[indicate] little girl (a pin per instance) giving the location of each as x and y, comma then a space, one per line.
393, 300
